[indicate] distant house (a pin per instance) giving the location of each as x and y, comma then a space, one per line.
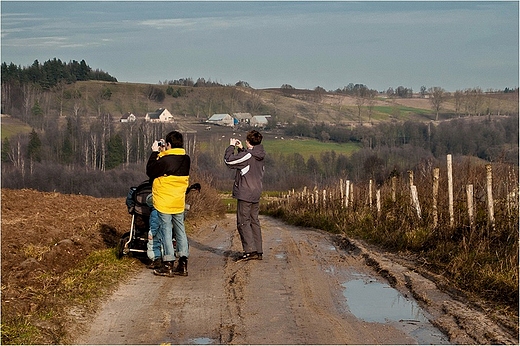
221, 119
243, 118
260, 120
128, 118
161, 115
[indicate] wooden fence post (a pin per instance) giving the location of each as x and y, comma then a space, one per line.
370, 193
351, 197
341, 188
378, 201
410, 184
394, 187
489, 184
347, 193
435, 196
415, 199
469, 196
450, 189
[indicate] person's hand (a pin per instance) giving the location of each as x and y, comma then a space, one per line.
238, 144
232, 141
157, 147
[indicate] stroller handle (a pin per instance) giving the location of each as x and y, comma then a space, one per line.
195, 186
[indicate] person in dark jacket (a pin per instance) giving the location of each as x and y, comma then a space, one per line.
168, 169
247, 188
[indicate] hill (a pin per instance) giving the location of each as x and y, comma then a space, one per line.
89, 98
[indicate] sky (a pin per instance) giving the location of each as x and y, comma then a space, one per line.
306, 44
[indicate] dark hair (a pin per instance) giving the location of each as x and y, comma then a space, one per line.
175, 139
254, 137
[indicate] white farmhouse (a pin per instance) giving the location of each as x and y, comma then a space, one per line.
128, 118
161, 115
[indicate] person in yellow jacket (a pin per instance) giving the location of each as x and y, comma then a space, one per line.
168, 169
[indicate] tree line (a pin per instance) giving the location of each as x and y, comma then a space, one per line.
75, 132
51, 73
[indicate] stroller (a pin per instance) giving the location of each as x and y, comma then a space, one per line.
136, 240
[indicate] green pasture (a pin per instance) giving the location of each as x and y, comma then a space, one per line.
11, 127
307, 147
402, 112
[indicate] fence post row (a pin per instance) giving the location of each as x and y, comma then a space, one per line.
346, 188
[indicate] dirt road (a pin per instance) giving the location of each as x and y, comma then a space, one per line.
308, 289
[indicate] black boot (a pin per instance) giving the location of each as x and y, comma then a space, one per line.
156, 264
182, 267
165, 270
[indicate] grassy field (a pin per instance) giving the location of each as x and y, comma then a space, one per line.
307, 147
12, 126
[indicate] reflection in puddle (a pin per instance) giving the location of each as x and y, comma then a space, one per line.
280, 256
201, 341
373, 301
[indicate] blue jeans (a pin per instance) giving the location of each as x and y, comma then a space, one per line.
154, 246
175, 222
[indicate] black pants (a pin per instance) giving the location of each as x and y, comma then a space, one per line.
249, 226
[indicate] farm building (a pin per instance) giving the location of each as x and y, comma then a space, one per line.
128, 118
243, 118
222, 120
160, 115
260, 120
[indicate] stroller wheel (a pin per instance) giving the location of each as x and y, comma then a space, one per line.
120, 250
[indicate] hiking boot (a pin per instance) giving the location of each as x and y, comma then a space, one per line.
156, 264
165, 270
248, 256
182, 267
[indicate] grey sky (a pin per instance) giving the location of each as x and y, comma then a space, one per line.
454, 45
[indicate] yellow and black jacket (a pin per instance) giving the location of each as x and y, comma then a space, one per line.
169, 175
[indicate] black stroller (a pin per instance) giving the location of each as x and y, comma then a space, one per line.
136, 240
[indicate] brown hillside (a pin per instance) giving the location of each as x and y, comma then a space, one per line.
200, 103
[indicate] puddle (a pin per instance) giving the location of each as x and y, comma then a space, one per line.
201, 341
373, 301
280, 256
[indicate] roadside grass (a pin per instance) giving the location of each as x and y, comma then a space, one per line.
480, 261
81, 287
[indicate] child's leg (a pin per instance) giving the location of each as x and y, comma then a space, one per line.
154, 250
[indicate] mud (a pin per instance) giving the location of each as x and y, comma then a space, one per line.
306, 290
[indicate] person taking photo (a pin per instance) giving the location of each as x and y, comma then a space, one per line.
168, 169
249, 165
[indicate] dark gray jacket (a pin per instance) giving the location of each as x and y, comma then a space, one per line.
249, 165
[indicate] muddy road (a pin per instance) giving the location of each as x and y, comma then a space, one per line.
310, 288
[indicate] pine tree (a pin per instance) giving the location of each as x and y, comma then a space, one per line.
34, 149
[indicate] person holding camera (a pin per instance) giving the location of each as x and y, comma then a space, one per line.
168, 169
247, 188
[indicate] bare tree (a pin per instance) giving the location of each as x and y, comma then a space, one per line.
458, 97
437, 98
476, 97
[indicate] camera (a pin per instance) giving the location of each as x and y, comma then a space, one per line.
161, 144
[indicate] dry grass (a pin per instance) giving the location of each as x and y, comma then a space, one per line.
479, 259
